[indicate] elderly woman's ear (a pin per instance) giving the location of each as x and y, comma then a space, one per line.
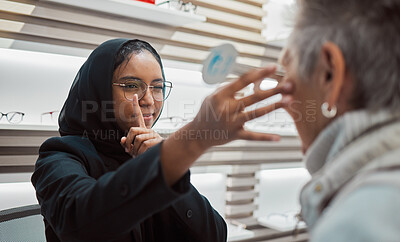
333, 75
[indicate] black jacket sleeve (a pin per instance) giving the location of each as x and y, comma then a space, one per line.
79, 207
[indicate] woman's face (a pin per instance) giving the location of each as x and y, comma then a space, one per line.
143, 67
307, 100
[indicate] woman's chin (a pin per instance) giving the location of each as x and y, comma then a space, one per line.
148, 121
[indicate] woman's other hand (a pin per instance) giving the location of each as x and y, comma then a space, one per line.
139, 139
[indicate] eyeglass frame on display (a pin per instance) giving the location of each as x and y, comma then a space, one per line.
165, 96
181, 120
265, 124
51, 115
182, 6
6, 114
286, 215
290, 216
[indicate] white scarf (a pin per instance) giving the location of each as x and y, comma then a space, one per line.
341, 150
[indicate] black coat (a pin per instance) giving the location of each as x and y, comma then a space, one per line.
86, 196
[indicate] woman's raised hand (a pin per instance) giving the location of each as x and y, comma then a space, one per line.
220, 120
222, 116
139, 139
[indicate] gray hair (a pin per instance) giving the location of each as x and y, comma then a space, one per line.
368, 34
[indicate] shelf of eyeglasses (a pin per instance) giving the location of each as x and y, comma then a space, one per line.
13, 120
290, 132
30, 127
287, 150
139, 10
249, 158
286, 128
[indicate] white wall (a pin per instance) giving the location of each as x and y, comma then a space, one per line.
279, 20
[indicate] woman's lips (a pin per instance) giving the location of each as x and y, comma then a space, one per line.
147, 117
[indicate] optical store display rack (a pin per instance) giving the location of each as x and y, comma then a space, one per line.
138, 10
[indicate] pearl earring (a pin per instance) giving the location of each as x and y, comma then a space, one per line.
328, 113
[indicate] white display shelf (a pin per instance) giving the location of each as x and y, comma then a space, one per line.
138, 10
33, 127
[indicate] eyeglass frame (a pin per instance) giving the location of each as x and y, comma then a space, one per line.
147, 86
288, 215
183, 6
176, 124
274, 125
51, 114
6, 114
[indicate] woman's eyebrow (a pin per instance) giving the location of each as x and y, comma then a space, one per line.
158, 80
130, 78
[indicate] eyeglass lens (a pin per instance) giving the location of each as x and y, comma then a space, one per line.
159, 89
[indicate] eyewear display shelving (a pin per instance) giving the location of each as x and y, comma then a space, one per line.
138, 10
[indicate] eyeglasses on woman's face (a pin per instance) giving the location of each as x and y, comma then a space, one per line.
13, 117
160, 90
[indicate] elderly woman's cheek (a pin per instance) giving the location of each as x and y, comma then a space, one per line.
293, 108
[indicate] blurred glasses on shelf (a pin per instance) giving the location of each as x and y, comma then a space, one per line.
288, 220
189, 7
13, 117
271, 125
175, 121
49, 117
285, 217
178, 5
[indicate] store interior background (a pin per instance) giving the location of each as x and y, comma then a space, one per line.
35, 78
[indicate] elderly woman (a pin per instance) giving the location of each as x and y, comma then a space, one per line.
344, 59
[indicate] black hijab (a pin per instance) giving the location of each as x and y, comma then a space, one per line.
88, 110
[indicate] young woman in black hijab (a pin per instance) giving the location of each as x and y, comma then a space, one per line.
109, 177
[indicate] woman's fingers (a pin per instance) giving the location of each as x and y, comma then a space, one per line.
125, 145
253, 114
260, 95
249, 135
246, 79
141, 138
133, 131
123, 141
147, 144
127, 142
278, 77
138, 112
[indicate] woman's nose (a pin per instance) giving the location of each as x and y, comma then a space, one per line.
147, 99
